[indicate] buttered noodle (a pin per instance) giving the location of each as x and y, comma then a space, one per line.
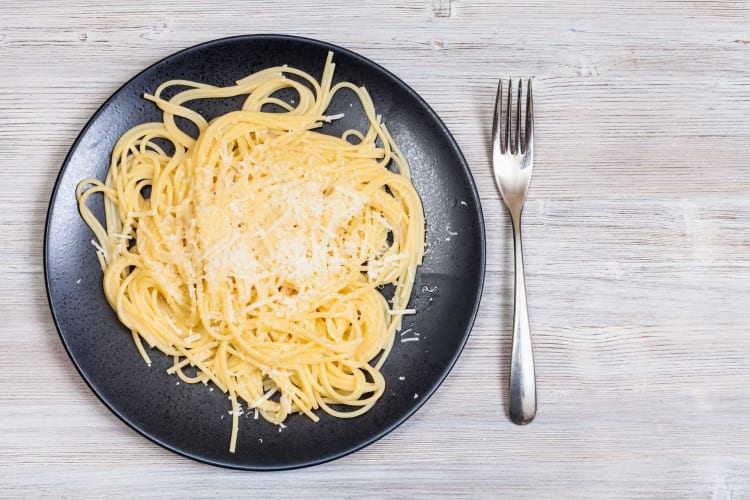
257, 257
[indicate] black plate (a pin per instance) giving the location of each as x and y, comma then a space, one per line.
192, 419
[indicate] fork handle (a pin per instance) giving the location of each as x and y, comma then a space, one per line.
522, 390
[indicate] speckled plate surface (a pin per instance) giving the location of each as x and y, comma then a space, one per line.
193, 420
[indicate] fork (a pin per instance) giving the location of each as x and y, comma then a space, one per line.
512, 163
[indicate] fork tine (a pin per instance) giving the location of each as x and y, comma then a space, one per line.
529, 119
508, 117
496, 120
517, 138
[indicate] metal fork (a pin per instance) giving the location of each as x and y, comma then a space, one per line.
512, 162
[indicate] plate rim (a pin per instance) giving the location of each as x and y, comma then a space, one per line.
464, 165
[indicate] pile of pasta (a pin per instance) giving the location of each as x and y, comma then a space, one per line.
255, 253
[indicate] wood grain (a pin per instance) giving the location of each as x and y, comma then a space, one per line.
637, 239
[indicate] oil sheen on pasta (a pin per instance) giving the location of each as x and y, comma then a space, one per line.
257, 258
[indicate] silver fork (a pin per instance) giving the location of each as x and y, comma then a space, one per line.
512, 162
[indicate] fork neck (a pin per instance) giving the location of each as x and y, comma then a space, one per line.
515, 218
515, 210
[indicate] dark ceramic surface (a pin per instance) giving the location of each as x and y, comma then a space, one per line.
192, 419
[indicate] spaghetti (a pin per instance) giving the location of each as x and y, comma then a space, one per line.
254, 253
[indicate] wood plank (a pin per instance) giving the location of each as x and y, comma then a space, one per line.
636, 239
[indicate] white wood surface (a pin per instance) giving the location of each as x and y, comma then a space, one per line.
637, 243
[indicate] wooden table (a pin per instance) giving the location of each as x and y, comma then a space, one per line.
637, 241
